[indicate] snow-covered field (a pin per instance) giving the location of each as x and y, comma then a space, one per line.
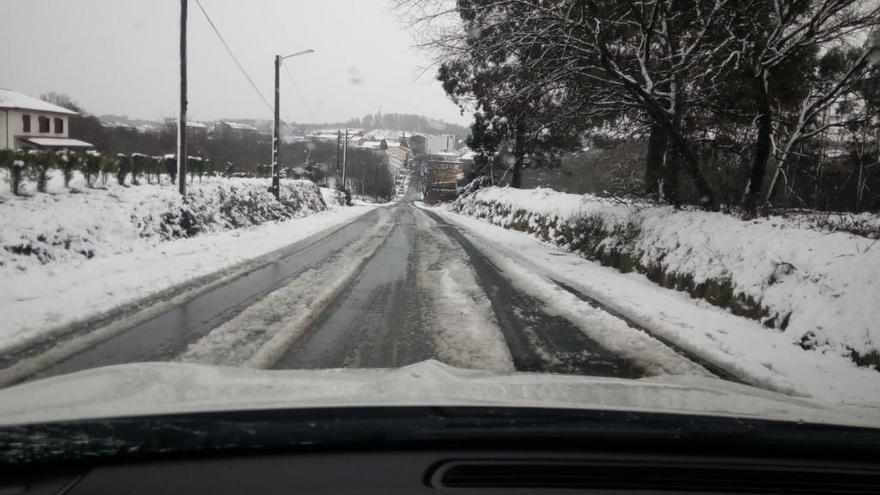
760, 356
819, 288
71, 257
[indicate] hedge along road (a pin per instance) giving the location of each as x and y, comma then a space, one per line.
396, 286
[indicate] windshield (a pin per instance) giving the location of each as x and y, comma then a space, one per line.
652, 205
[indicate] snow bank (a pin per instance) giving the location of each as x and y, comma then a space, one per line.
820, 288
333, 197
82, 223
42, 302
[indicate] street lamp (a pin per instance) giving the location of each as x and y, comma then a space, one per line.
276, 137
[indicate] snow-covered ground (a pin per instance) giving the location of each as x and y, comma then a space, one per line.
823, 283
133, 252
758, 355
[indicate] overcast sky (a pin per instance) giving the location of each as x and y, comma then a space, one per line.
121, 57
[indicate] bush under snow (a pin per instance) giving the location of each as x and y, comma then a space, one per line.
77, 224
821, 288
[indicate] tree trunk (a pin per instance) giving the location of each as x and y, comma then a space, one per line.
42, 178
519, 155
670, 179
516, 176
15, 178
658, 143
762, 146
689, 159
692, 168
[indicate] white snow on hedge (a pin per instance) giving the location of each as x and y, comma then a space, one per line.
71, 225
829, 282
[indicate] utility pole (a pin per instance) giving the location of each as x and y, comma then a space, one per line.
276, 132
338, 154
181, 120
344, 159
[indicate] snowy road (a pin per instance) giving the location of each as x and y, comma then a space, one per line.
395, 286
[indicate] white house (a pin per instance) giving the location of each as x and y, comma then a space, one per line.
28, 122
443, 143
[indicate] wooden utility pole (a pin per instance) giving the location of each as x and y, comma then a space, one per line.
181, 120
276, 134
338, 154
344, 159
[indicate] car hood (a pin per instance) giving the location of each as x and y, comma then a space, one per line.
151, 389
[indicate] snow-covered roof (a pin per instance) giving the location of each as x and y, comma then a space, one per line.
386, 134
239, 126
59, 142
20, 101
200, 125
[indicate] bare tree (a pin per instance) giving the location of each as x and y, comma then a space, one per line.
749, 77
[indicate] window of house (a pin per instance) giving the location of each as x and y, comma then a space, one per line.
26, 123
44, 124
59, 126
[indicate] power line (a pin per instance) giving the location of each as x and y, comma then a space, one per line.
234, 58
298, 92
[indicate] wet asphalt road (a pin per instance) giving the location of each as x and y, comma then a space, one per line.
166, 336
379, 322
381, 318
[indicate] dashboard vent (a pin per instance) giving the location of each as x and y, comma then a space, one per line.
672, 476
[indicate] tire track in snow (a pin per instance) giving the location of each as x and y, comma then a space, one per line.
151, 328
263, 332
415, 299
718, 371
555, 331
465, 331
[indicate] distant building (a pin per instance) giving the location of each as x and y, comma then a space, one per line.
397, 157
442, 185
193, 129
118, 125
355, 136
235, 128
31, 123
444, 161
325, 135
197, 129
444, 143
418, 144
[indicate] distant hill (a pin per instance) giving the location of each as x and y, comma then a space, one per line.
389, 125
124, 119
390, 122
